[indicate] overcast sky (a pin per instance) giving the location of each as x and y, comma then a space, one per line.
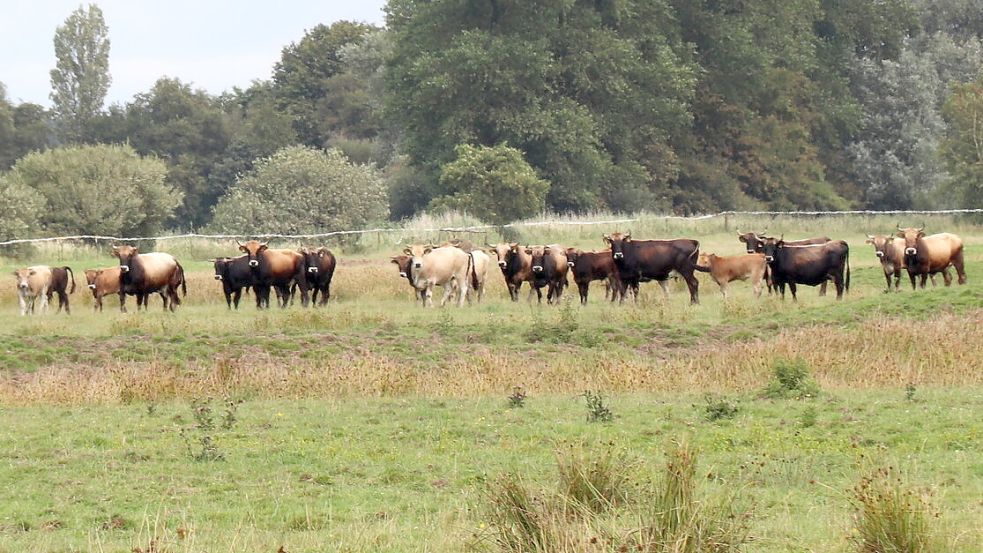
213, 44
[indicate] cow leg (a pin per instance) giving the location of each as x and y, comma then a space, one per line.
63, 299
822, 289
947, 277
23, 303
694, 287
887, 277
923, 280
957, 262
583, 287
664, 285
43, 296
792, 289
228, 298
723, 288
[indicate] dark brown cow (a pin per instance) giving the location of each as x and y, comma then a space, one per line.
590, 266
755, 243
60, 278
516, 266
143, 274
102, 282
321, 264
927, 255
275, 268
549, 269
811, 265
655, 259
235, 275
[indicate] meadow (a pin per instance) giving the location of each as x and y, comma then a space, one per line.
373, 424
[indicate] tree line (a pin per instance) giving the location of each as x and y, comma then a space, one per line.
506, 108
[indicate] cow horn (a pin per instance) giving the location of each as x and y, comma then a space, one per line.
238, 243
899, 227
869, 236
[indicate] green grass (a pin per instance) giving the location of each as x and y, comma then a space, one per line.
407, 474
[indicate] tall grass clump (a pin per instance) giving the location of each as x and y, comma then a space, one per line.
679, 520
791, 379
595, 478
891, 517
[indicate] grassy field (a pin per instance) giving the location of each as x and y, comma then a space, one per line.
376, 425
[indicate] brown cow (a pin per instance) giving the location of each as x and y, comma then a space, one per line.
890, 252
811, 265
275, 268
142, 274
549, 268
724, 270
516, 266
655, 259
321, 264
927, 255
590, 266
404, 263
102, 282
755, 243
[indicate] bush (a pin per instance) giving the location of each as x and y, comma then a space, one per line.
594, 478
790, 379
891, 517
300, 190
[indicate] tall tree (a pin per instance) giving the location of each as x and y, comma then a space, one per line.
80, 79
962, 147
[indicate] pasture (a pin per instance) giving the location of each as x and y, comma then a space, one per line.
375, 425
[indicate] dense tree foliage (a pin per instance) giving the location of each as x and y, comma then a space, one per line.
665, 105
98, 189
302, 190
80, 79
492, 183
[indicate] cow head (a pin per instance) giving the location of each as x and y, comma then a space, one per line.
23, 278
618, 242
771, 247
90, 277
705, 260
755, 242
252, 249
572, 255
501, 251
221, 267
125, 254
911, 235
314, 258
881, 245
417, 251
538, 254
403, 263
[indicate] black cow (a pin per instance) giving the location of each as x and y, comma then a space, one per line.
811, 265
755, 243
655, 259
549, 269
236, 276
320, 268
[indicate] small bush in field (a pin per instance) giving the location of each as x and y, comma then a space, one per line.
790, 380
518, 397
718, 408
597, 410
594, 477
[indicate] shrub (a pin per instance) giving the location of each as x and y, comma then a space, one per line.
890, 517
718, 408
593, 477
790, 379
597, 410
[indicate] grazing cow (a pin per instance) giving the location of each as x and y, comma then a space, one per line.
724, 270
811, 265
102, 282
478, 273
275, 269
516, 266
321, 264
235, 275
142, 274
590, 266
655, 259
447, 267
549, 268
927, 255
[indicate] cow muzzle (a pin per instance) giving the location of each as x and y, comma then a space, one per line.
501, 264
417, 265
619, 255
570, 264
92, 287
218, 277
312, 269
750, 251
769, 258
253, 263
124, 268
537, 268
402, 274
23, 286
879, 254
909, 251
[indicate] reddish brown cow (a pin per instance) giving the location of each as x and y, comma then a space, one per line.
927, 255
516, 266
590, 266
321, 264
102, 282
724, 270
549, 269
275, 268
143, 274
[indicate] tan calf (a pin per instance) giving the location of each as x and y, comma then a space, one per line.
102, 282
447, 267
724, 270
33, 284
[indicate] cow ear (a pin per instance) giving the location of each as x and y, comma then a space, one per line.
263, 246
869, 240
408, 251
394, 259
428, 249
628, 237
529, 251
742, 238
606, 238
242, 248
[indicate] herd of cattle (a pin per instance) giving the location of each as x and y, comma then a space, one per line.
463, 269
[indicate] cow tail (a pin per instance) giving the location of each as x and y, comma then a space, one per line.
71, 274
474, 271
847, 283
184, 281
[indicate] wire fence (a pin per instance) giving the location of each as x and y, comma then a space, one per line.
484, 228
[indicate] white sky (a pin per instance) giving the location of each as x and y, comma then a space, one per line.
212, 44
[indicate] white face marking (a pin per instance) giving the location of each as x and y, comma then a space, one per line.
92, 286
124, 268
253, 263
312, 269
218, 277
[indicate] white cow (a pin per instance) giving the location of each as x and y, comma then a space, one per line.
33, 284
447, 267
